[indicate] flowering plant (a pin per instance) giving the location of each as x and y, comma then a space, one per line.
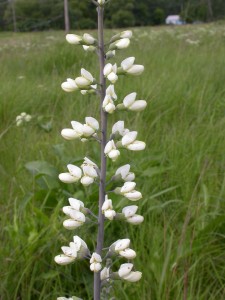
90, 172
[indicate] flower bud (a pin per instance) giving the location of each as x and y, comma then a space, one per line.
73, 39
69, 85
88, 39
69, 134
128, 253
135, 219
63, 259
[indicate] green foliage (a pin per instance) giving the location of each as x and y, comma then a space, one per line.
158, 16
181, 243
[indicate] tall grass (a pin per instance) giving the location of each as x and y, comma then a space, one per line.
181, 245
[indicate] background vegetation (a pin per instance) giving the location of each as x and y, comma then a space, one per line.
181, 245
36, 15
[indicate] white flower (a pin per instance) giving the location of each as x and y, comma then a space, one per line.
129, 141
126, 34
69, 134
125, 272
101, 2
85, 80
95, 262
122, 35
128, 191
73, 39
128, 253
129, 211
121, 247
118, 128
89, 48
135, 105
135, 219
111, 150
104, 275
23, 118
74, 174
80, 246
69, 85
90, 127
110, 72
108, 104
88, 39
77, 217
107, 209
68, 256
128, 66
124, 173
122, 44
110, 91
89, 170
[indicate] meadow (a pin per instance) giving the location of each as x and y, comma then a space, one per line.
181, 244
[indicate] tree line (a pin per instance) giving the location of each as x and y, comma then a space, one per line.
35, 15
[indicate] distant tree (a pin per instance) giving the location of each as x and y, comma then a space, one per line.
158, 16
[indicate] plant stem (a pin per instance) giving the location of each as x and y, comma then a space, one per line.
100, 236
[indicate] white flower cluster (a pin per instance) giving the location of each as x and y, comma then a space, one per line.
75, 212
86, 174
77, 249
23, 118
81, 131
85, 83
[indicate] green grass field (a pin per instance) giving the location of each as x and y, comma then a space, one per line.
181, 244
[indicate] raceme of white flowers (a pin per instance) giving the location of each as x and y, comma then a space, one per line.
121, 139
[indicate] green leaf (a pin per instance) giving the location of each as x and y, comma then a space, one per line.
40, 167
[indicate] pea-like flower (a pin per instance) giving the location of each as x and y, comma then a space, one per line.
128, 67
81, 131
111, 150
122, 35
89, 172
110, 72
118, 129
108, 104
69, 85
121, 247
85, 81
129, 141
110, 91
77, 218
132, 104
95, 262
128, 191
75, 39
104, 275
125, 272
107, 209
120, 44
74, 174
77, 249
129, 213
124, 173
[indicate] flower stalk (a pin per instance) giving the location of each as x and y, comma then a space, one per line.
103, 126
